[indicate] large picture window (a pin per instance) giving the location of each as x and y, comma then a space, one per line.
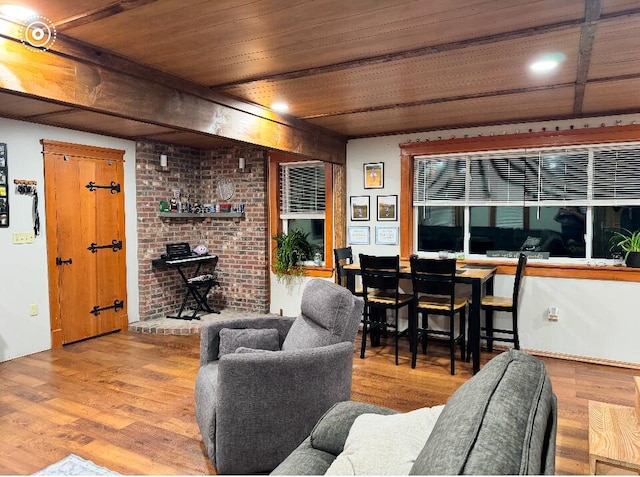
563, 202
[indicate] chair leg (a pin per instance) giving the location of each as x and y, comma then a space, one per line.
516, 338
463, 344
414, 339
489, 328
364, 333
452, 343
425, 325
396, 334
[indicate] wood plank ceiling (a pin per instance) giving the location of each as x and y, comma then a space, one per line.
348, 69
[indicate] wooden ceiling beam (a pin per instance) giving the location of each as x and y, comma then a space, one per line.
592, 11
77, 75
100, 13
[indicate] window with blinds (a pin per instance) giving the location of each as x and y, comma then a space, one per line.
302, 190
565, 202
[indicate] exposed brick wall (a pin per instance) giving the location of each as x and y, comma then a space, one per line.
241, 245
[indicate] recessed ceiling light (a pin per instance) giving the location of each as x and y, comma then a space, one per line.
547, 63
16, 12
280, 107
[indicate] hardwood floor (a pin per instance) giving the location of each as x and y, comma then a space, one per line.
125, 401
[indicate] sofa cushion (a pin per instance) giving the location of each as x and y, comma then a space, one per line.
499, 422
385, 445
326, 317
231, 339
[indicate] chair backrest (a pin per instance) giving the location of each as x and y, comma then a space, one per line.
380, 273
342, 256
433, 276
329, 314
517, 285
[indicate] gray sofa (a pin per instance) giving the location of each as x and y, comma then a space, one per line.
502, 421
254, 406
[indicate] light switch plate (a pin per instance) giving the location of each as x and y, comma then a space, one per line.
24, 237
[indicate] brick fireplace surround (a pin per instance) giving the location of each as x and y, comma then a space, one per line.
241, 245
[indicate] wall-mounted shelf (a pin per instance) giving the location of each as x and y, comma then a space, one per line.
217, 215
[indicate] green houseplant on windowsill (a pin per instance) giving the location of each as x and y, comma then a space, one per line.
291, 250
628, 242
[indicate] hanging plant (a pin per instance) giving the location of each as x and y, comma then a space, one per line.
291, 250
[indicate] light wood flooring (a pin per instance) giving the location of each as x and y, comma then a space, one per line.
125, 401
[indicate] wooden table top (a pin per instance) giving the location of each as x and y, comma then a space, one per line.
467, 271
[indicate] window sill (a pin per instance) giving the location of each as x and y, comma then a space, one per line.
567, 270
312, 271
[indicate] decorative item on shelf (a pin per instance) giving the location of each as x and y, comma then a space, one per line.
225, 188
201, 250
225, 207
628, 242
292, 249
173, 205
317, 259
164, 206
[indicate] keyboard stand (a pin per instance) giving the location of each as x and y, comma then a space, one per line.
196, 289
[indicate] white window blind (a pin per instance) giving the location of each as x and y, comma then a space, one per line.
498, 178
438, 179
616, 174
302, 190
504, 178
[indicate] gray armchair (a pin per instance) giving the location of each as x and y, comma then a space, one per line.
254, 407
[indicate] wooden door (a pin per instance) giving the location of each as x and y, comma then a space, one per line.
85, 240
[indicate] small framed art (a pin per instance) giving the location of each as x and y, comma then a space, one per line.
374, 175
358, 235
386, 235
387, 207
360, 205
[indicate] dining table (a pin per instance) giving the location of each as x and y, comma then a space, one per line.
480, 277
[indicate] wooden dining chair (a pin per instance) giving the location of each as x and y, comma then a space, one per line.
381, 292
434, 290
342, 257
492, 303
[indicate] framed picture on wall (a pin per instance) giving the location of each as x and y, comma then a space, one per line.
360, 205
374, 175
358, 235
387, 207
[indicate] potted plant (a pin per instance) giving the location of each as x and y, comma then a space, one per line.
628, 242
292, 248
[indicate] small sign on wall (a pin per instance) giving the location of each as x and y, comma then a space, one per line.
358, 235
387, 235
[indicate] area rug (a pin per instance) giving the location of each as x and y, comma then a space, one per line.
74, 465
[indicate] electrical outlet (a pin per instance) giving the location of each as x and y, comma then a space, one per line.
553, 313
24, 237
33, 309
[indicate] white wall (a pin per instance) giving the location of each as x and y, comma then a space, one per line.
24, 267
598, 319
